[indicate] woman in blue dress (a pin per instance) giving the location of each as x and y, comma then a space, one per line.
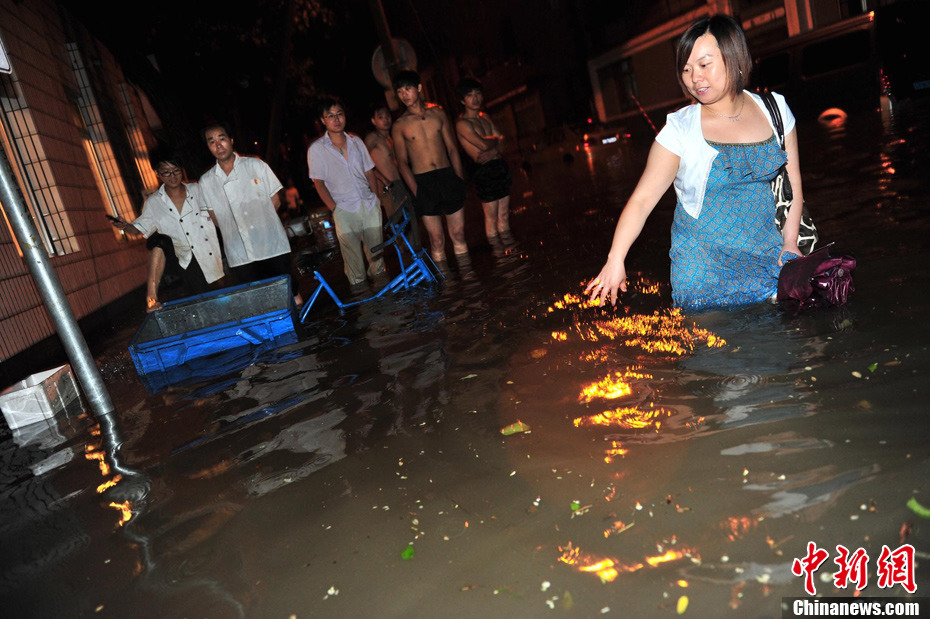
721, 152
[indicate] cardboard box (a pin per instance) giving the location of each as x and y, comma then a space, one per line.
39, 398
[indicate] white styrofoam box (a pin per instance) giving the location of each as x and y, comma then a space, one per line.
39, 397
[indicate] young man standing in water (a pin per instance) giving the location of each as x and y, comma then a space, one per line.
344, 175
428, 161
481, 141
243, 194
395, 195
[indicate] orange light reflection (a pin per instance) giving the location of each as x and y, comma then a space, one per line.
608, 568
108, 484
659, 332
630, 418
737, 527
610, 388
100, 458
125, 511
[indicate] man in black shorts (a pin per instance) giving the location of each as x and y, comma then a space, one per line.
428, 160
481, 141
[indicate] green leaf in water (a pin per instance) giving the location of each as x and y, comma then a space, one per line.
407, 553
917, 508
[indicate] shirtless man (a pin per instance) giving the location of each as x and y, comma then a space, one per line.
428, 160
481, 140
395, 195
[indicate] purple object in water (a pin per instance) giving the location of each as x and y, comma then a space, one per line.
816, 280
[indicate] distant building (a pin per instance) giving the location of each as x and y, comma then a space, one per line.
821, 53
77, 136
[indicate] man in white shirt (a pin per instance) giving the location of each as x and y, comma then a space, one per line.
343, 174
178, 211
243, 194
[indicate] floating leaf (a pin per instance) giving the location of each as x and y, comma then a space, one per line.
917, 508
514, 428
873, 367
682, 605
407, 553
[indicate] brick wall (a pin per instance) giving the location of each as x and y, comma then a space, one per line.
106, 267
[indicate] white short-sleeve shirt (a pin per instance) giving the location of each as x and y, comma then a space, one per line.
192, 232
344, 178
244, 212
682, 136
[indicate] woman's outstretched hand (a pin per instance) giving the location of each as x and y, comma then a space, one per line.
611, 279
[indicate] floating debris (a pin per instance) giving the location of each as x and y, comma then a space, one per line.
617, 528
515, 428
917, 508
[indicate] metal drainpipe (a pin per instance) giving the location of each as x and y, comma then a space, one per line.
50, 290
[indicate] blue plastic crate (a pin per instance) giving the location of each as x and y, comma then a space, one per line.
186, 333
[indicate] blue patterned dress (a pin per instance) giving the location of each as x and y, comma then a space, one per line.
729, 254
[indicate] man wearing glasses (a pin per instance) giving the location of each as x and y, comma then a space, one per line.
343, 174
177, 211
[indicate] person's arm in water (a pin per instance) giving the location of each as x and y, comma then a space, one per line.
793, 221
661, 168
402, 157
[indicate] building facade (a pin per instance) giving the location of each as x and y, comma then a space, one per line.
77, 136
807, 47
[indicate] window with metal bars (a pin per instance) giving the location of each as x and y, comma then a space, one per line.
97, 142
140, 151
23, 146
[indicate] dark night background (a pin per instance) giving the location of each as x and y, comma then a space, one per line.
225, 61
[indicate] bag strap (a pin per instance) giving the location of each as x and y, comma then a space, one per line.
774, 112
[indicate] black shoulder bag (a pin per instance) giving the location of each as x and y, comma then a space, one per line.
781, 188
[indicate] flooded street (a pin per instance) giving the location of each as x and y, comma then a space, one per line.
670, 462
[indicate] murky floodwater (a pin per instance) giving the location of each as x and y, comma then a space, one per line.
363, 472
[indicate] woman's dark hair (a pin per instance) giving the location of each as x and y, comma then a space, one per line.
733, 47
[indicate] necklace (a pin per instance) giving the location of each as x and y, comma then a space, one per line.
735, 117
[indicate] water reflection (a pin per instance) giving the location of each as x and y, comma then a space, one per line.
744, 432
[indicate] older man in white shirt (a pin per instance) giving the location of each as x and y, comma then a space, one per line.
243, 195
343, 174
